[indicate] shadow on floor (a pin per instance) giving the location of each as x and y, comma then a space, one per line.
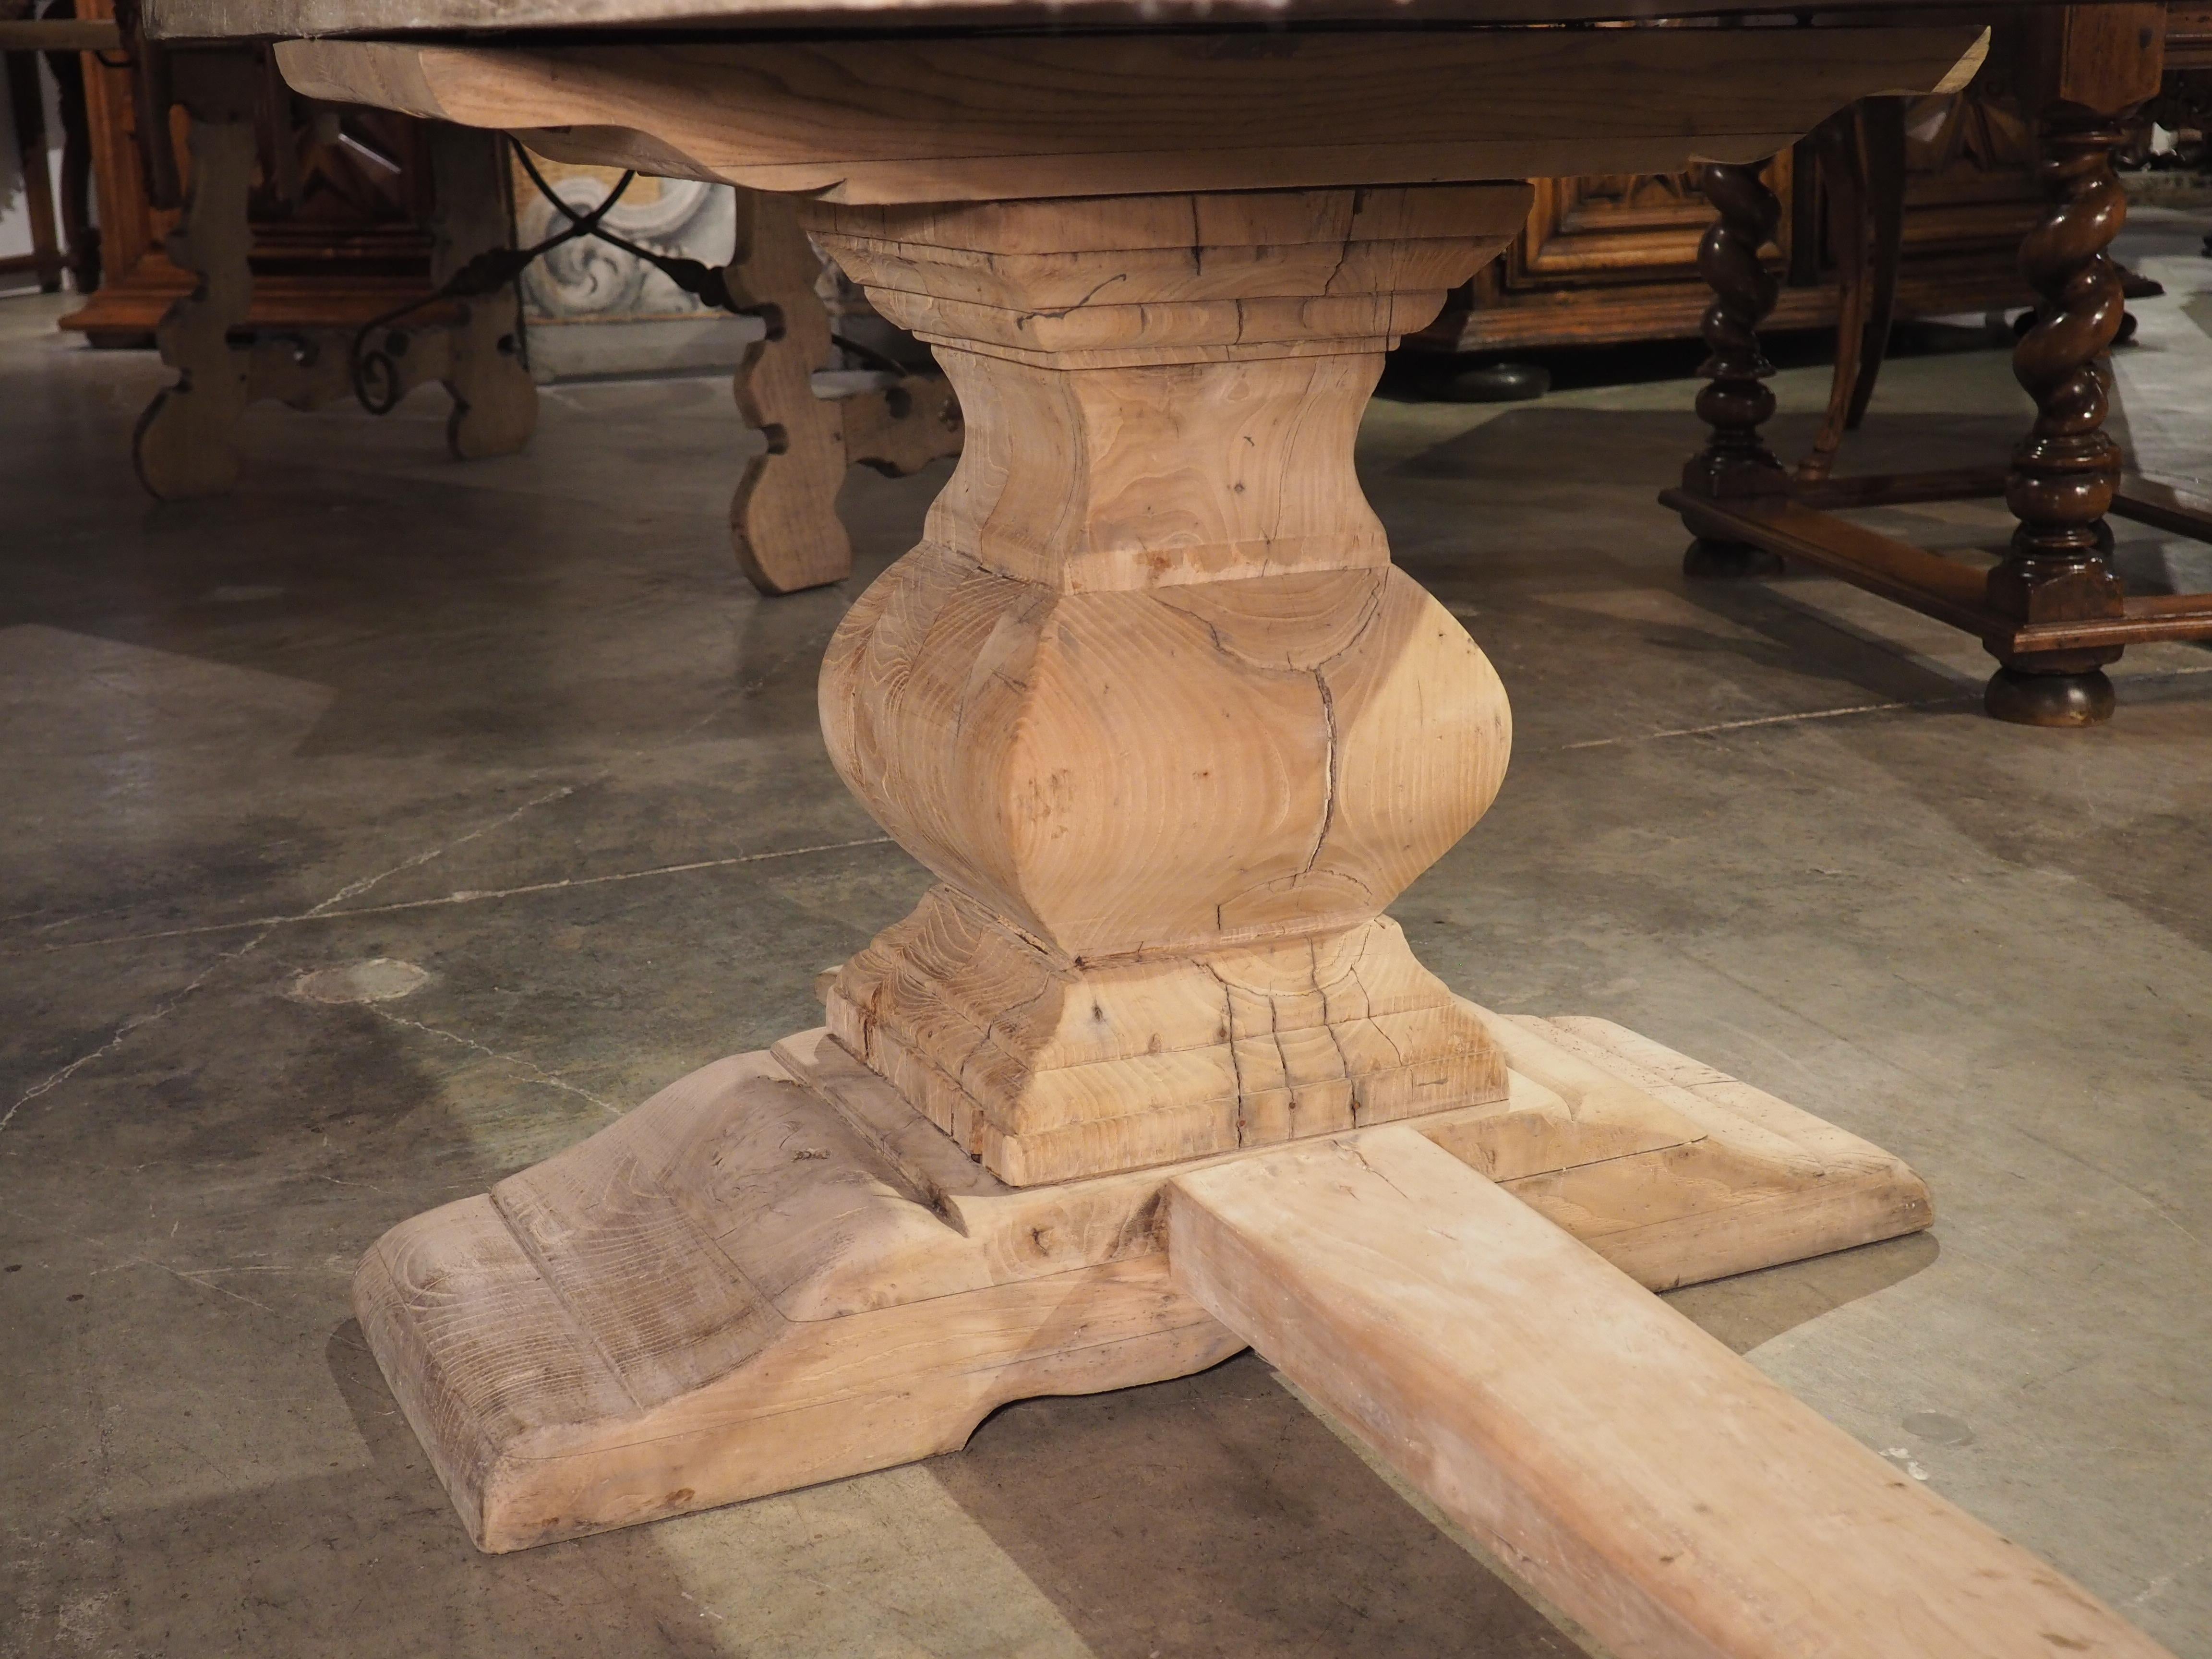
1216, 1516
1752, 1309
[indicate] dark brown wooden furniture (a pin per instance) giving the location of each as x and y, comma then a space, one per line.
253, 234
1614, 258
57, 37
340, 207
2052, 611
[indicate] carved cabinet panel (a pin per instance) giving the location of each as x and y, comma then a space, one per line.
1613, 257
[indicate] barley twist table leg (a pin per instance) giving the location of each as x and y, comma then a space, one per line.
2065, 469
1734, 401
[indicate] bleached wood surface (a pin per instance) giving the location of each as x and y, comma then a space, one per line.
1657, 1488
200, 19
966, 118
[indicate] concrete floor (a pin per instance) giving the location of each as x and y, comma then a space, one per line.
521, 724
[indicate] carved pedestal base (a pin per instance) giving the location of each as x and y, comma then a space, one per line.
1151, 701
775, 1272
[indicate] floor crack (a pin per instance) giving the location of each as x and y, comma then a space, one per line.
536, 1072
268, 925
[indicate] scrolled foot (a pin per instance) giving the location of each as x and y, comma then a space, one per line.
1707, 559
2064, 700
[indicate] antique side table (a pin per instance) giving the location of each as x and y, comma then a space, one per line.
2052, 611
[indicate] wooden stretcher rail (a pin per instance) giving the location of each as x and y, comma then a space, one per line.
1931, 584
1963, 484
2163, 507
1658, 1489
2146, 617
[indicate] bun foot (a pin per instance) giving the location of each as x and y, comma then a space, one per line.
1495, 382
1709, 560
2049, 699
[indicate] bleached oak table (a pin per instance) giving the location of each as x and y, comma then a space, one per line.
1149, 1075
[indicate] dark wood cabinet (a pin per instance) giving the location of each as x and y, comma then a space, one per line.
1613, 257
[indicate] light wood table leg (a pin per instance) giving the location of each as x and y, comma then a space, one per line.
186, 440
495, 400
186, 443
1152, 702
784, 526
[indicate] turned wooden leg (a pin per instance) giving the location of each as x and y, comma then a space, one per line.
1150, 698
186, 442
2065, 469
1734, 401
1152, 702
495, 400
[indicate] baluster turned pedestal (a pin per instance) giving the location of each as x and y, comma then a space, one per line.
1152, 702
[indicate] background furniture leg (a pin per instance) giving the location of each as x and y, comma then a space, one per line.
186, 442
784, 526
1734, 401
2065, 470
1861, 152
495, 400
27, 99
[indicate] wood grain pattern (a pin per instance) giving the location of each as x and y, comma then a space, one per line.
776, 1272
1151, 702
1657, 1488
216, 19
963, 118
1148, 697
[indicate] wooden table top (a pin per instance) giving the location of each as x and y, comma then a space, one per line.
308, 19
916, 101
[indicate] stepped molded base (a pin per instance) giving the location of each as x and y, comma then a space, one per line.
776, 1272
1051, 1071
